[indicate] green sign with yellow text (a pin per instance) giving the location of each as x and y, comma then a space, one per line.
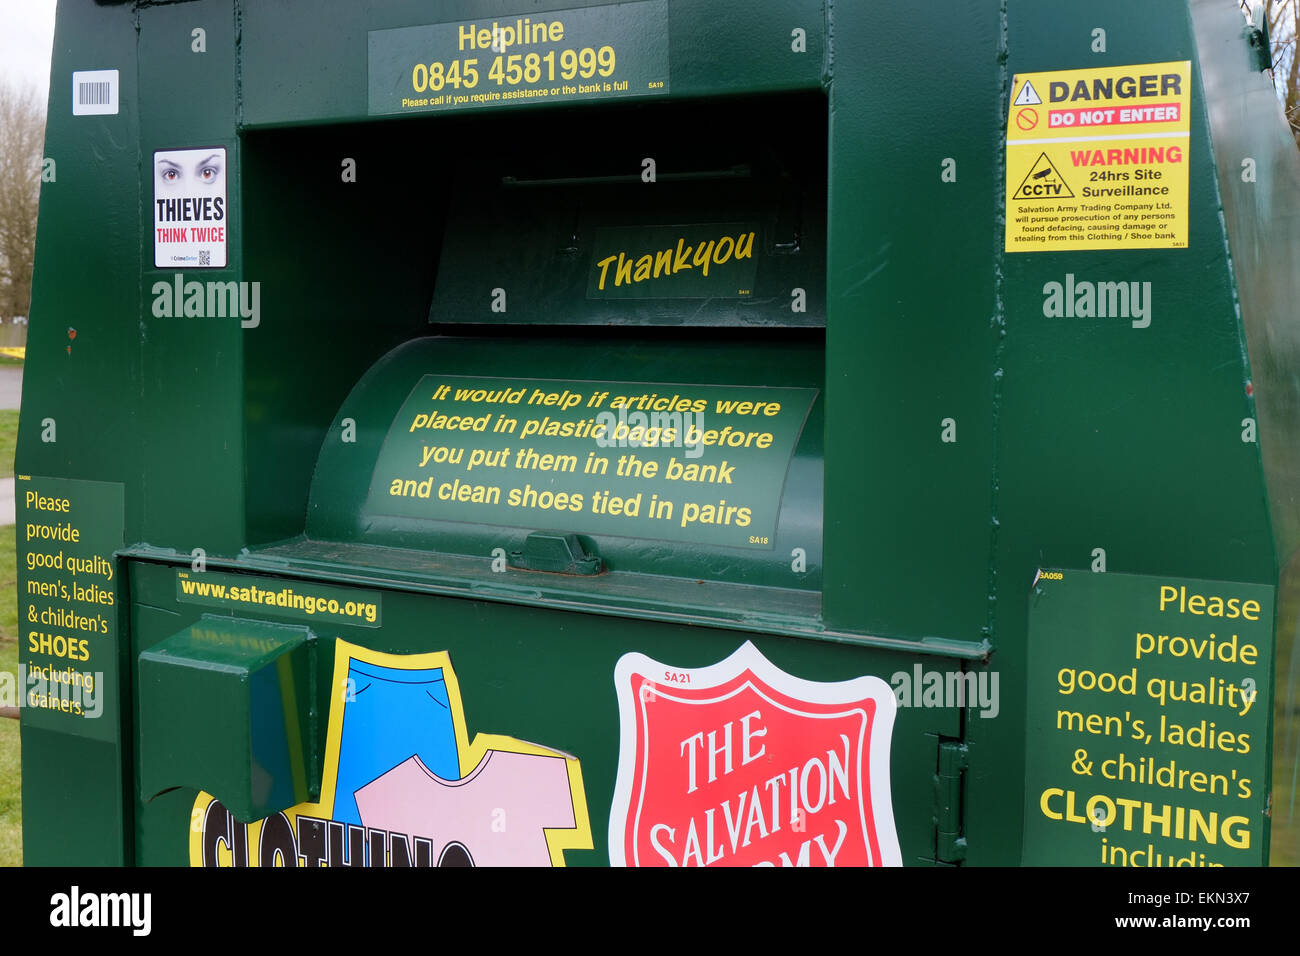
698, 463
69, 600
593, 53
280, 597
1147, 721
714, 260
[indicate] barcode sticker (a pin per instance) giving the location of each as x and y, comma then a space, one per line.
94, 93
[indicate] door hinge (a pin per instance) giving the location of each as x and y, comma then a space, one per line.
950, 837
1261, 50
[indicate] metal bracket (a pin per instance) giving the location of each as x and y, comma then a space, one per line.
1261, 50
555, 551
950, 843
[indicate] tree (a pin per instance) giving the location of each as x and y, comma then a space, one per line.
1283, 18
22, 139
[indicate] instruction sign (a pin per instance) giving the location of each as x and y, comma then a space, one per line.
700, 463
1097, 159
593, 53
1147, 721
68, 604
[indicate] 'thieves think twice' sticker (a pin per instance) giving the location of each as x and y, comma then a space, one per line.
189, 208
1097, 159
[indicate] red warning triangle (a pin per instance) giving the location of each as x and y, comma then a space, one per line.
1043, 181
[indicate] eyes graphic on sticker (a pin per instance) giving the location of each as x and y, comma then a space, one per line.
182, 171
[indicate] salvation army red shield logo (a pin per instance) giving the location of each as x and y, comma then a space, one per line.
742, 764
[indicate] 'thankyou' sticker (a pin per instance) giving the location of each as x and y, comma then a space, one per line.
189, 208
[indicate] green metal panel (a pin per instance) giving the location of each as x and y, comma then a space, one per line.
334, 303
1094, 413
1261, 209
192, 365
514, 663
229, 703
84, 293
74, 826
911, 291
299, 68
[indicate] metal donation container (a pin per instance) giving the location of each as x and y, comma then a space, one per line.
672, 432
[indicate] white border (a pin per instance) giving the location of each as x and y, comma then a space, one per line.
748, 657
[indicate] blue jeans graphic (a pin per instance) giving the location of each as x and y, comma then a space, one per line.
394, 715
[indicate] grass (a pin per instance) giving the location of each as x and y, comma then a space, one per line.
1285, 846
11, 800
8, 439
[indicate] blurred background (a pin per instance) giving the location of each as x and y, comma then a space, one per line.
1283, 17
26, 39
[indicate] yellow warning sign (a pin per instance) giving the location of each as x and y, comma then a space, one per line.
1097, 159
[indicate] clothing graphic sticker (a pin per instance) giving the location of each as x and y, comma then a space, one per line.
526, 794
404, 786
390, 714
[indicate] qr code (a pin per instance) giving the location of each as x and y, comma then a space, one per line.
205, 257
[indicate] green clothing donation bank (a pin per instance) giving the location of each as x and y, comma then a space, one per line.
664, 433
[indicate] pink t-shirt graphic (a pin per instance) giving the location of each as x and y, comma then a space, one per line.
497, 811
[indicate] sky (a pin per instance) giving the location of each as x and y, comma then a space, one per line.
26, 37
